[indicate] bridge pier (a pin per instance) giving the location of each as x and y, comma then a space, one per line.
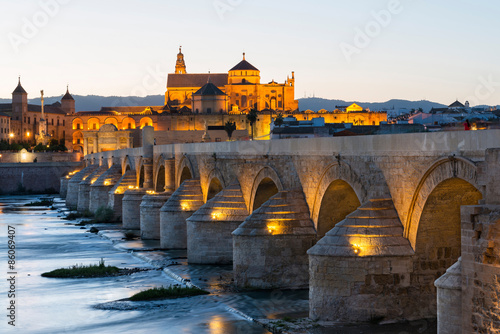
270, 246
131, 208
209, 238
84, 188
99, 190
361, 269
150, 214
186, 200
127, 181
74, 185
449, 300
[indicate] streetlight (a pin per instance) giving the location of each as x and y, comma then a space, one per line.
11, 135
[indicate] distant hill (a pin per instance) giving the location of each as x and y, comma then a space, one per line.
95, 102
316, 104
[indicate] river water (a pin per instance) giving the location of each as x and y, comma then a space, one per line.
46, 305
44, 242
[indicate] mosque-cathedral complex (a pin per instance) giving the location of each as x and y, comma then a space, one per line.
196, 108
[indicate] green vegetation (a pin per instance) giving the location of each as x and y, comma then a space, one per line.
166, 293
81, 271
103, 214
230, 127
76, 215
42, 202
54, 146
252, 118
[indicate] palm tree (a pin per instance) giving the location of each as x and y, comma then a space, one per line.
230, 127
279, 121
252, 118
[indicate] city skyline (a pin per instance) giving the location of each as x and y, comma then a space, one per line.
369, 51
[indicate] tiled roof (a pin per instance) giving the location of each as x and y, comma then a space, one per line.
196, 80
209, 89
19, 89
244, 66
3, 114
49, 109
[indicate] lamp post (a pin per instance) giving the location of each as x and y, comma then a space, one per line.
11, 135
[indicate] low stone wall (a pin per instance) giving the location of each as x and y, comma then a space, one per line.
29, 157
35, 177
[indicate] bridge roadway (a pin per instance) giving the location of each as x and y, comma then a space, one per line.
366, 223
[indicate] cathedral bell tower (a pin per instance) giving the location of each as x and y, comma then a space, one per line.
180, 65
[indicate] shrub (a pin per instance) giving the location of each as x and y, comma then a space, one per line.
103, 214
169, 292
81, 271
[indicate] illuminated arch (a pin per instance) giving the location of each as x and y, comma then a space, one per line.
267, 177
111, 120
442, 170
77, 141
128, 123
146, 121
93, 123
77, 124
332, 173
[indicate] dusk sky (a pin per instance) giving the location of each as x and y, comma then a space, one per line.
365, 50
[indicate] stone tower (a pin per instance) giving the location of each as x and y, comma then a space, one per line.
180, 65
19, 102
68, 102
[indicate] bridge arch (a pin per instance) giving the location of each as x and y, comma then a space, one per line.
127, 164
265, 185
215, 184
185, 171
450, 169
159, 175
339, 186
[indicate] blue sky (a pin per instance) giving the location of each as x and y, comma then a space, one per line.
366, 50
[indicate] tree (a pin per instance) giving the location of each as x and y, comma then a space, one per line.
230, 127
252, 118
279, 121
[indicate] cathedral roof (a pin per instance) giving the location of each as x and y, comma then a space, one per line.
19, 88
244, 66
67, 96
209, 89
196, 80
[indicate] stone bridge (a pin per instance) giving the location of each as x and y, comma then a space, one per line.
366, 223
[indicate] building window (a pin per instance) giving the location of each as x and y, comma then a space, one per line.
58, 122
217, 140
64, 122
78, 141
52, 121
94, 126
129, 126
78, 126
209, 110
29, 120
24, 119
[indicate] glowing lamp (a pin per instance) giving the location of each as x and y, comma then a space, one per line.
106, 183
356, 249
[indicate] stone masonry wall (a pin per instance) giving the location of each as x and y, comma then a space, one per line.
481, 269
